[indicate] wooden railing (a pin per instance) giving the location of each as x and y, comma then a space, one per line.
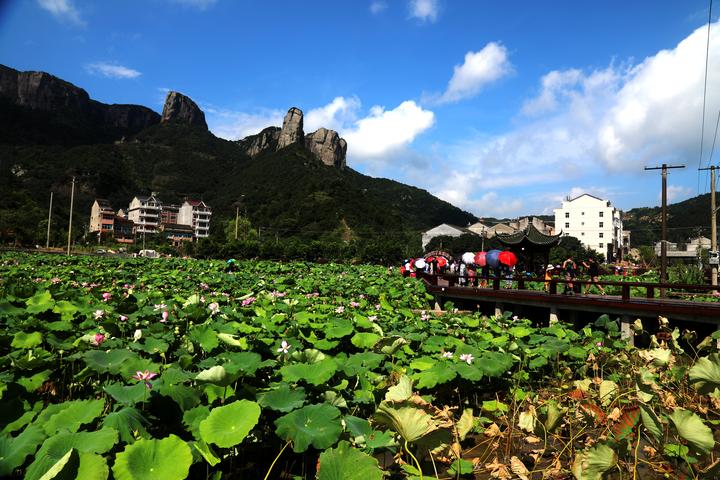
495, 283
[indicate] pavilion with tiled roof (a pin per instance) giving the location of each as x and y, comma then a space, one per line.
530, 245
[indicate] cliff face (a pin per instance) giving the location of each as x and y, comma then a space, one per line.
45, 93
325, 144
181, 109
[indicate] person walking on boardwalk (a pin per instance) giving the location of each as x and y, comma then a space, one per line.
570, 268
548, 277
594, 273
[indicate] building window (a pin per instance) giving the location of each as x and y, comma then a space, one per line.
567, 225
601, 224
601, 235
582, 213
582, 234
567, 214
602, 245
582, 224
601, 214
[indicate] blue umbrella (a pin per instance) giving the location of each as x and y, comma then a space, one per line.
492, 258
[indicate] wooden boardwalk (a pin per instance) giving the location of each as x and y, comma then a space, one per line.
566, 307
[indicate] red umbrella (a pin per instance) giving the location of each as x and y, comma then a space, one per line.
480, 259
442, 261
507, 258
430, 259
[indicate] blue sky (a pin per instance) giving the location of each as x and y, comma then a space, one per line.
500, 108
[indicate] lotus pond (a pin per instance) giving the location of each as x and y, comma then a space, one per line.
169, 369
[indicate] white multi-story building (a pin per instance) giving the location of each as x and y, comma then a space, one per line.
196, 214
593, 221
145, 212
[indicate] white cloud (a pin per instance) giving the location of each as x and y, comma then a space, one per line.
234, 125
63, 10
384, 131
377, 6
553, 84
677, 193
335, 115
199, 4
424, 10
111, 70
478, 70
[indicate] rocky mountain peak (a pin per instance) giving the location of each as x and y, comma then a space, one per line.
325, 144
181, 109
292, 129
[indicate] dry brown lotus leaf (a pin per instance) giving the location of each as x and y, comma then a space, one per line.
590, 357
554, 470
715, 403
668, 400
519, 468
456, 450
649, 451
597, 380
615, 414
702, 409
493, 431
498, 470
532, 439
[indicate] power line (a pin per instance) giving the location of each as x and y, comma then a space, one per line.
707, 55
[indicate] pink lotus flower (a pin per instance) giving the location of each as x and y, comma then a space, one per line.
55, 280
145, 376
123, 318
214, 308
248, 301
447, 355
98, 314
165, 315
204, 286
160, 306
277, 294
354, 304
340, 309
377, 306
97, 339
284, 347
372, 318
312, 295
424, 316
106, 296
467, 357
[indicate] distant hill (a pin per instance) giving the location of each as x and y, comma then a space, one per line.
299, 187
686, 219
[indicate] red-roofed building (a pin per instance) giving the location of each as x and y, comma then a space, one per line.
196, 214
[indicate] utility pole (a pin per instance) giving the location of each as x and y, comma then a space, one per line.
237, 218
47, 240
72, 200
713, 227
663, 241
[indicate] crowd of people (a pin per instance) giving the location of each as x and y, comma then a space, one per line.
482, 268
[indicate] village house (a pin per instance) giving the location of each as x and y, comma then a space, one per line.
595, 222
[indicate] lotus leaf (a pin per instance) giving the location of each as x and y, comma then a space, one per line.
26, 340
166, 459
111, 361
705, 374
494, 364
127, 395
309, 355
441, 372
347, 463
365, 339
338, 328
461, 467
204, 336
317, 425
608, 391
314, 373
186, 397
400, 392
13, 451
87, 444
92, 466
67, 310
127, 421
592, 463
282, 398
216, 375
40, 302
34, 382
207, 452
691, 428
65, 468
228, 425
362, 362
70, 415
651, 422
193, 417
390, 345
233, 340
408, 419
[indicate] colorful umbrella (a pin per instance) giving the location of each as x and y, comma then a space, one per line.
420, 263
507, 258
468, 258
441, 261
480, 259
491, 258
